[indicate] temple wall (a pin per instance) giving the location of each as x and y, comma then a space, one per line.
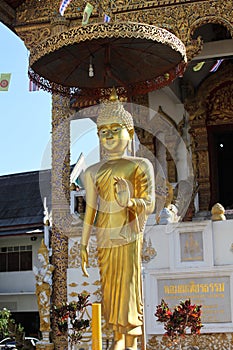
185, 260
19, 302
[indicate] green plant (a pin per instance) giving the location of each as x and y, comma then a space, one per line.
177, 321
8, 328
69, 318
4, 322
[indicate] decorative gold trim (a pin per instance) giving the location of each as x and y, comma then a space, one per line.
103, 30
148, 251
180, 17
139, 5
75, 256
211, 19
33, 35
217, 341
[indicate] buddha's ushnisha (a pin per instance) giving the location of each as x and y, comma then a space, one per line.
119, 197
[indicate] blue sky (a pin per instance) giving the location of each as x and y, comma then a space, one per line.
26, 116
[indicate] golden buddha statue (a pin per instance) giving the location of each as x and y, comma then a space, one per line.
119, 198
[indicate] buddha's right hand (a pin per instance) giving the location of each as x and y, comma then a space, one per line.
122, 192
84, 258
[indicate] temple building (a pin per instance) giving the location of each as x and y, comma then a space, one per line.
183, 114
22, 227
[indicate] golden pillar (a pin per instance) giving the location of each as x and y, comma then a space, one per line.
96, 327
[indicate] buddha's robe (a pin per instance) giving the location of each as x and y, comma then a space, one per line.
119, 236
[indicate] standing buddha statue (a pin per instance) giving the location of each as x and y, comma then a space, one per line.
119, 198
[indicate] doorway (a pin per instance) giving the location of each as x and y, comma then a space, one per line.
221, 165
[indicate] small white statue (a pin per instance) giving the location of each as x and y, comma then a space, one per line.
43, 276
168, 214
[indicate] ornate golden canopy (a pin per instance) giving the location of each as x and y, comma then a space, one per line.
134, 57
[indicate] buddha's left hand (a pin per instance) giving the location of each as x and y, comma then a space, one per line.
84, 259
122, 192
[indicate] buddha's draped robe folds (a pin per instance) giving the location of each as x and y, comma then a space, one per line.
119, 236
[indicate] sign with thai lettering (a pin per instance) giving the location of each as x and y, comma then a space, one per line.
213, 293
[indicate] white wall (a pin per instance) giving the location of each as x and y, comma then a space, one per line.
223, 240
17, 288
19, 303
17, 282
215, 240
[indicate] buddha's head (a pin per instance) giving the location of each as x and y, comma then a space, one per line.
115, 125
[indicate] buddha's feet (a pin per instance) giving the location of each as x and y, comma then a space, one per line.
118, 345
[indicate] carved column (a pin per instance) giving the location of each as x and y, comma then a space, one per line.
203, 167
201, 161
172, 143
60, 203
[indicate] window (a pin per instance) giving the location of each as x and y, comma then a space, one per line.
78, 203
18, 258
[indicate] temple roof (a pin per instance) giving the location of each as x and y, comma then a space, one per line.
24, 196
21, 201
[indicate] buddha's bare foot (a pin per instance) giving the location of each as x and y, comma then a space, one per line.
130, 342
118, 345
119, 342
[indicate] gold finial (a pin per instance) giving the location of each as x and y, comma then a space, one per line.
73, 187
113, 97
43, 248
217, 212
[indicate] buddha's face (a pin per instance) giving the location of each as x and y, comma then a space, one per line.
114, 137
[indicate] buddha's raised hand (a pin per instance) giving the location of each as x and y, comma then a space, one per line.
122, 192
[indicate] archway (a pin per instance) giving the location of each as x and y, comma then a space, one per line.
221, 164
211, 122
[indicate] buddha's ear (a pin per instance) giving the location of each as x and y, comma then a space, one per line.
131, 133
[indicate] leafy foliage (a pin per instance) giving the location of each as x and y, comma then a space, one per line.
4, 322
184, 316
9, 328
69, 317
